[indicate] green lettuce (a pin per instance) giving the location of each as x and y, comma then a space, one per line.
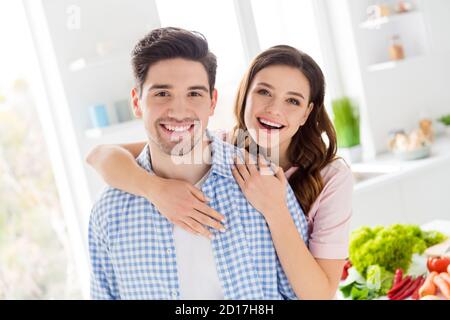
390, 247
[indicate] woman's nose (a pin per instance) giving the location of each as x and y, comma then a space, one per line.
273, 107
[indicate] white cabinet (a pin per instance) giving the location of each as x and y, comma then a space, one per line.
411, 192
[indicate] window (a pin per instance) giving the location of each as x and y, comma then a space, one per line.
290, 22
217, 21
36, 261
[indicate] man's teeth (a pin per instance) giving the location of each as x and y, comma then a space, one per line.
271, 124
177, 128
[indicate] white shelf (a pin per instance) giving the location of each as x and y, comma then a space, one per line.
81, 64
392, 64
96, 133
374, 24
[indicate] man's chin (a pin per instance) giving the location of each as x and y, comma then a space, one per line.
177, 149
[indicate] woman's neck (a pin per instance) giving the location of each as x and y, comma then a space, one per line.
279, 156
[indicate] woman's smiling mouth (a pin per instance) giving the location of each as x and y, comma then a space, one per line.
269, 125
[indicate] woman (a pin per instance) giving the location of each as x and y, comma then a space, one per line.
280, 103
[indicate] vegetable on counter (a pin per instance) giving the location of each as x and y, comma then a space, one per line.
444, 286
428, 288
347, 266
377, 283
408, 290
390, 247
438, 264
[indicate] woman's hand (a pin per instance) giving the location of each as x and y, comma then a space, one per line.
265, 190
185, 206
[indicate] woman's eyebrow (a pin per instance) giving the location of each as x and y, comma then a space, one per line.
293, 93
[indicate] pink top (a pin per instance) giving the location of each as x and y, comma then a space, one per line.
329, 216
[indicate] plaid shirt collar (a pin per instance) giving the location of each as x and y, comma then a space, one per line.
221, 160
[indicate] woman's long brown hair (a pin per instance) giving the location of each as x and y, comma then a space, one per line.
307, 150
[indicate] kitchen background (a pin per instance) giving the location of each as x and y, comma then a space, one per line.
65, 80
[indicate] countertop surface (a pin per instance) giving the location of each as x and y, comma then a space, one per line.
386, 168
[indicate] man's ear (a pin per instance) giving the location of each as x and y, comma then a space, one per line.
135, 103
307, 113
214, 101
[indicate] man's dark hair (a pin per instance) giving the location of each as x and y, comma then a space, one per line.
170, 43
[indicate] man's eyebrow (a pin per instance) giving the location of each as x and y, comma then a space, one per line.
202, 88
160, 86
264, 84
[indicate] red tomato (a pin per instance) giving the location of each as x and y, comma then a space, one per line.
438, 264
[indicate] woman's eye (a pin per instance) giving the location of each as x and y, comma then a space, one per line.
295, 102
264, 92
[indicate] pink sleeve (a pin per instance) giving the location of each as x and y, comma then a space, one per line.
332, 211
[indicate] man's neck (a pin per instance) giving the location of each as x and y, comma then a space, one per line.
190, 167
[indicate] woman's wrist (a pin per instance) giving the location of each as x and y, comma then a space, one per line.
276, 213
147, 185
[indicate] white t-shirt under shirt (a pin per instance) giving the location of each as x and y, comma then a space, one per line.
197, 272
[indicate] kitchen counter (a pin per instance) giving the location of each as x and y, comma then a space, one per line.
386, 168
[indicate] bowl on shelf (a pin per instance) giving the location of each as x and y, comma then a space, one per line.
416, 154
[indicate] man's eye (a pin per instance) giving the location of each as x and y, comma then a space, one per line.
195, 94
264, 92
162, 94
295, 102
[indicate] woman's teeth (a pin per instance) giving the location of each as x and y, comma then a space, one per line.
177, 128
270, 124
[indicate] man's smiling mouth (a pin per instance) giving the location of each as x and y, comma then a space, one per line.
177, 128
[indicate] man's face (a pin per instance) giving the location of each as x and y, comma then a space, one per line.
175, 104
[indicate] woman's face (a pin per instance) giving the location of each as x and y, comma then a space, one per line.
277, 105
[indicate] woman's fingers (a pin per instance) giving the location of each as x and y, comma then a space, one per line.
241, 168
279, 173
186, 227
198, 228
264, 168
238, 177
198, 194
207, 210
207, 221
250, 163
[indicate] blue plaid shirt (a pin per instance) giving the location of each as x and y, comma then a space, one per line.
132, 248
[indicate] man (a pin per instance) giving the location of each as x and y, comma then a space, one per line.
136, 253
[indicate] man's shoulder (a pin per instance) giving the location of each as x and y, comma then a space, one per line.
111, 202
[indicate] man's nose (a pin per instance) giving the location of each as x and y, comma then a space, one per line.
178, 109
